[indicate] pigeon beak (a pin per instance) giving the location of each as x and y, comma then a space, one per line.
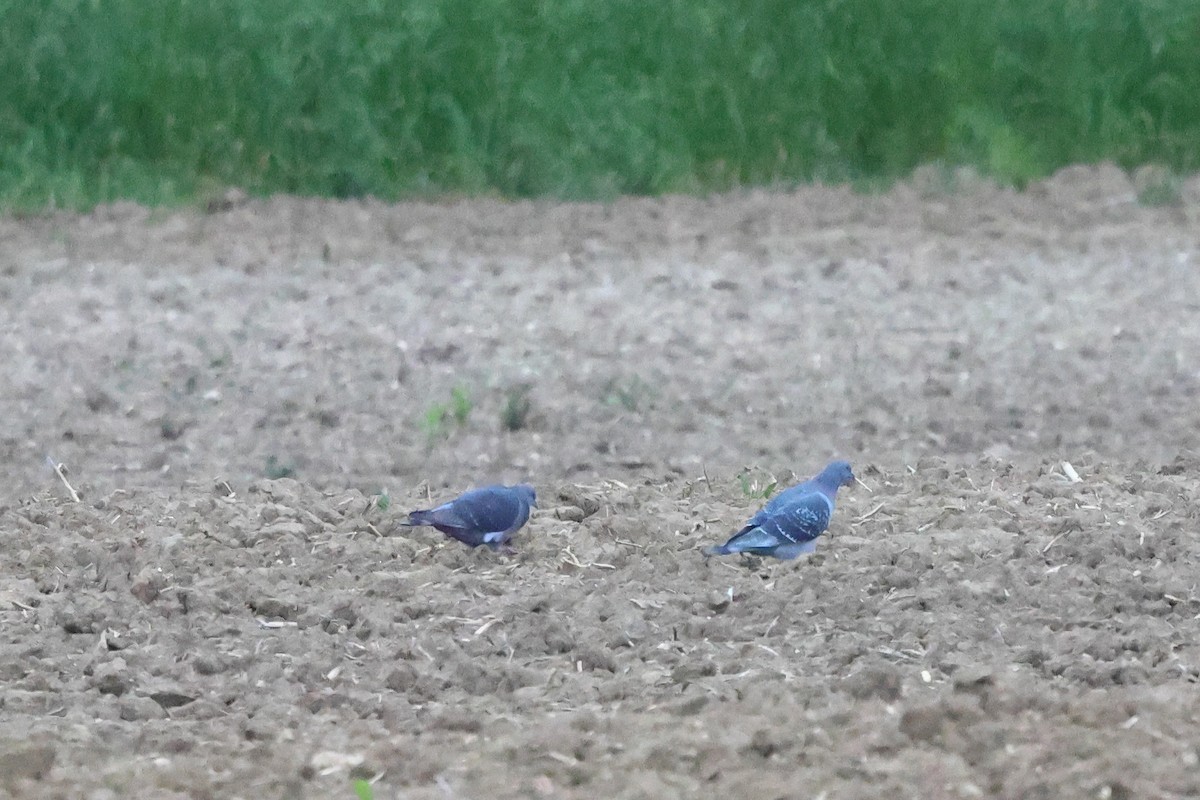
860, 483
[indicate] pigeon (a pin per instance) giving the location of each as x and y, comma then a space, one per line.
489, 515
789, 524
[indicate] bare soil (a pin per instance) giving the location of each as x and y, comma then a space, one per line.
248, 398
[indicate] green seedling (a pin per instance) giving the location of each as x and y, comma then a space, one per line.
631, 394
439, 417
460, 405
433, 423
276, 469
756, 488
515, 414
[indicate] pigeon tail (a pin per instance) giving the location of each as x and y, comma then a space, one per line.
718, 550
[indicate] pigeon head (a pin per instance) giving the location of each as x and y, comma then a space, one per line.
526, 491
836, 475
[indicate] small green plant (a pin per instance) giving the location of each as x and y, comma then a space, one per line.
460, 404
515, 414
383, 500
276, 469
631, 393
363, 790
755, 487
437, 420
433, 422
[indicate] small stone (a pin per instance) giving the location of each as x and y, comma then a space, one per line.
686, 673
763, 743
134, 709
208, 665
594, 658
879, 681
111, 678
326, 701
974, 680
587, 503
168, 698
457, 719
402, 678
922, 723
690, 706
274, 607
74, 620
343, 617
327, 762
569, 513
145, 590
24, 761
279, 530
100, 402
718, 601
227, 200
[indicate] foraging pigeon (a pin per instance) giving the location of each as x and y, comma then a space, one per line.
490, 515
790, 523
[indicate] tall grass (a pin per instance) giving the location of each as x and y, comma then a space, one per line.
166, 100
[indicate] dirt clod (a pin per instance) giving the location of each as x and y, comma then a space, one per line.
23, 760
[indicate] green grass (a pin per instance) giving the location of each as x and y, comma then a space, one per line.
755, 486
434, 423
460, 405
632, 393
168, 101
276, 469
514, 414
440, 419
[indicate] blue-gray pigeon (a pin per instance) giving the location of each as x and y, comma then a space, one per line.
789, 524
489, 515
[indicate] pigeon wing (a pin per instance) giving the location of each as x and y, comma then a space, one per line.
800, 521
789, 495
489, 514
779, 501
753, 540
448, 520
